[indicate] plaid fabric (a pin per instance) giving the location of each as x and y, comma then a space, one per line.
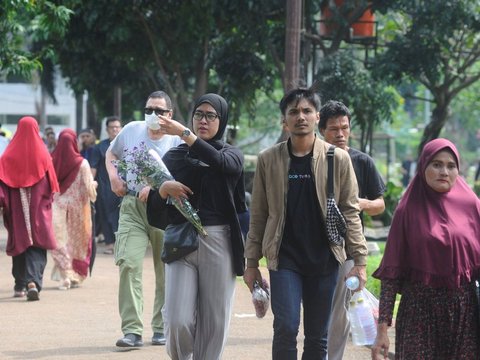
336, 224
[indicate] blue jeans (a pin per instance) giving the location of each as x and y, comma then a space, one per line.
288, 290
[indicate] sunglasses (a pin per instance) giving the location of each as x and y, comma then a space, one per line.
158, 112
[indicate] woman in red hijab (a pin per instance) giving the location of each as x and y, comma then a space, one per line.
432, 259
27, 184
72, 217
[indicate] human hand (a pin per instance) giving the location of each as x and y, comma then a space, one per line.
250, 275
382, 343
174, 189
359, 271
143, 194
171, 126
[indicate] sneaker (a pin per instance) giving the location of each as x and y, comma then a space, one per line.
19, 293
65, 284
130, 340
158, 339
32, 292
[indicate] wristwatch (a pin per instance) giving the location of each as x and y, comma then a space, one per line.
185, 133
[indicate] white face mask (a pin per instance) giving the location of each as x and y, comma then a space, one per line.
152, 121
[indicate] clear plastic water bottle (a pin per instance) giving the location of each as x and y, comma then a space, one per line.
362, 322
352, 283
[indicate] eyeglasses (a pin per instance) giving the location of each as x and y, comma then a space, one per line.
158, 112
199, 115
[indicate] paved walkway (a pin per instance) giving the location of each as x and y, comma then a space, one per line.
83, 323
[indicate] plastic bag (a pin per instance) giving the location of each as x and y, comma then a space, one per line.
374, 303
362, 322
261, 298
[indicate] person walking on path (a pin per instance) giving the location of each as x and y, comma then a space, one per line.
72, 216
134, 232
287, 227
108, 203
27, 184
334, 126
200, 287
432, 258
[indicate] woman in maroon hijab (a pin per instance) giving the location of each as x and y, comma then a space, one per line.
72, 218
432, 259
27, 184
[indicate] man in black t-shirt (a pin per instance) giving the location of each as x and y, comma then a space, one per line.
334, 125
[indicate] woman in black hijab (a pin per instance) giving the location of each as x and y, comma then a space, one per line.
199, 288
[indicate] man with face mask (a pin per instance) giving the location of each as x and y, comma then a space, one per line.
134, 233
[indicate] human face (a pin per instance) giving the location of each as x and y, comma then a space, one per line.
86, 139
203, 128
158, 104
337, 131
113, 129
302, 118
442, 171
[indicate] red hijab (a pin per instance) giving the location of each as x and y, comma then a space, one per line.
66, 159
26, 159
434, 237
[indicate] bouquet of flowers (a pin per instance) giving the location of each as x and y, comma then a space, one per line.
148, 169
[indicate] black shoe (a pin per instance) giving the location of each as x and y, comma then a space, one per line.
32, 292
158, 339
130, 340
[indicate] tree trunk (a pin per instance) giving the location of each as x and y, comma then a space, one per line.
292, 50
117, 101
292, 44
438, 120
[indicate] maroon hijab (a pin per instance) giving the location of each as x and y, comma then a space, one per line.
66, 159
434, 237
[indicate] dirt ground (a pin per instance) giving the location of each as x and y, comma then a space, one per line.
83, 323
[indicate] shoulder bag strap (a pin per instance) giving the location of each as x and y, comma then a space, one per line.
330, 157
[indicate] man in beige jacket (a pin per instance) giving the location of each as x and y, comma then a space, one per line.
287, 227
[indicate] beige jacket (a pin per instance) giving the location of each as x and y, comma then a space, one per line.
269, 199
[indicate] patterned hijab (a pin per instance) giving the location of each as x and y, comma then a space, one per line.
434, 237
26, 159
66, 159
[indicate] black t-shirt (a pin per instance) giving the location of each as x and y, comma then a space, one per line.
304, 247
370, 183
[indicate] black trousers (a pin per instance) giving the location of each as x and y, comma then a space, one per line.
29, 267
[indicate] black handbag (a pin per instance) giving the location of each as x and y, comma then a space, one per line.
335, 221
179, 240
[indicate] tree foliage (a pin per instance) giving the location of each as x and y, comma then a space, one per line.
24, 22
341, 72
186, 48
341, 77
437, 43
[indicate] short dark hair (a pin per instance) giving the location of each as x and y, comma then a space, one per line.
111, 119
159, 94
297, 94
87, 131
332, 109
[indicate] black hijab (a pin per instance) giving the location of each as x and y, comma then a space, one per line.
221, 107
